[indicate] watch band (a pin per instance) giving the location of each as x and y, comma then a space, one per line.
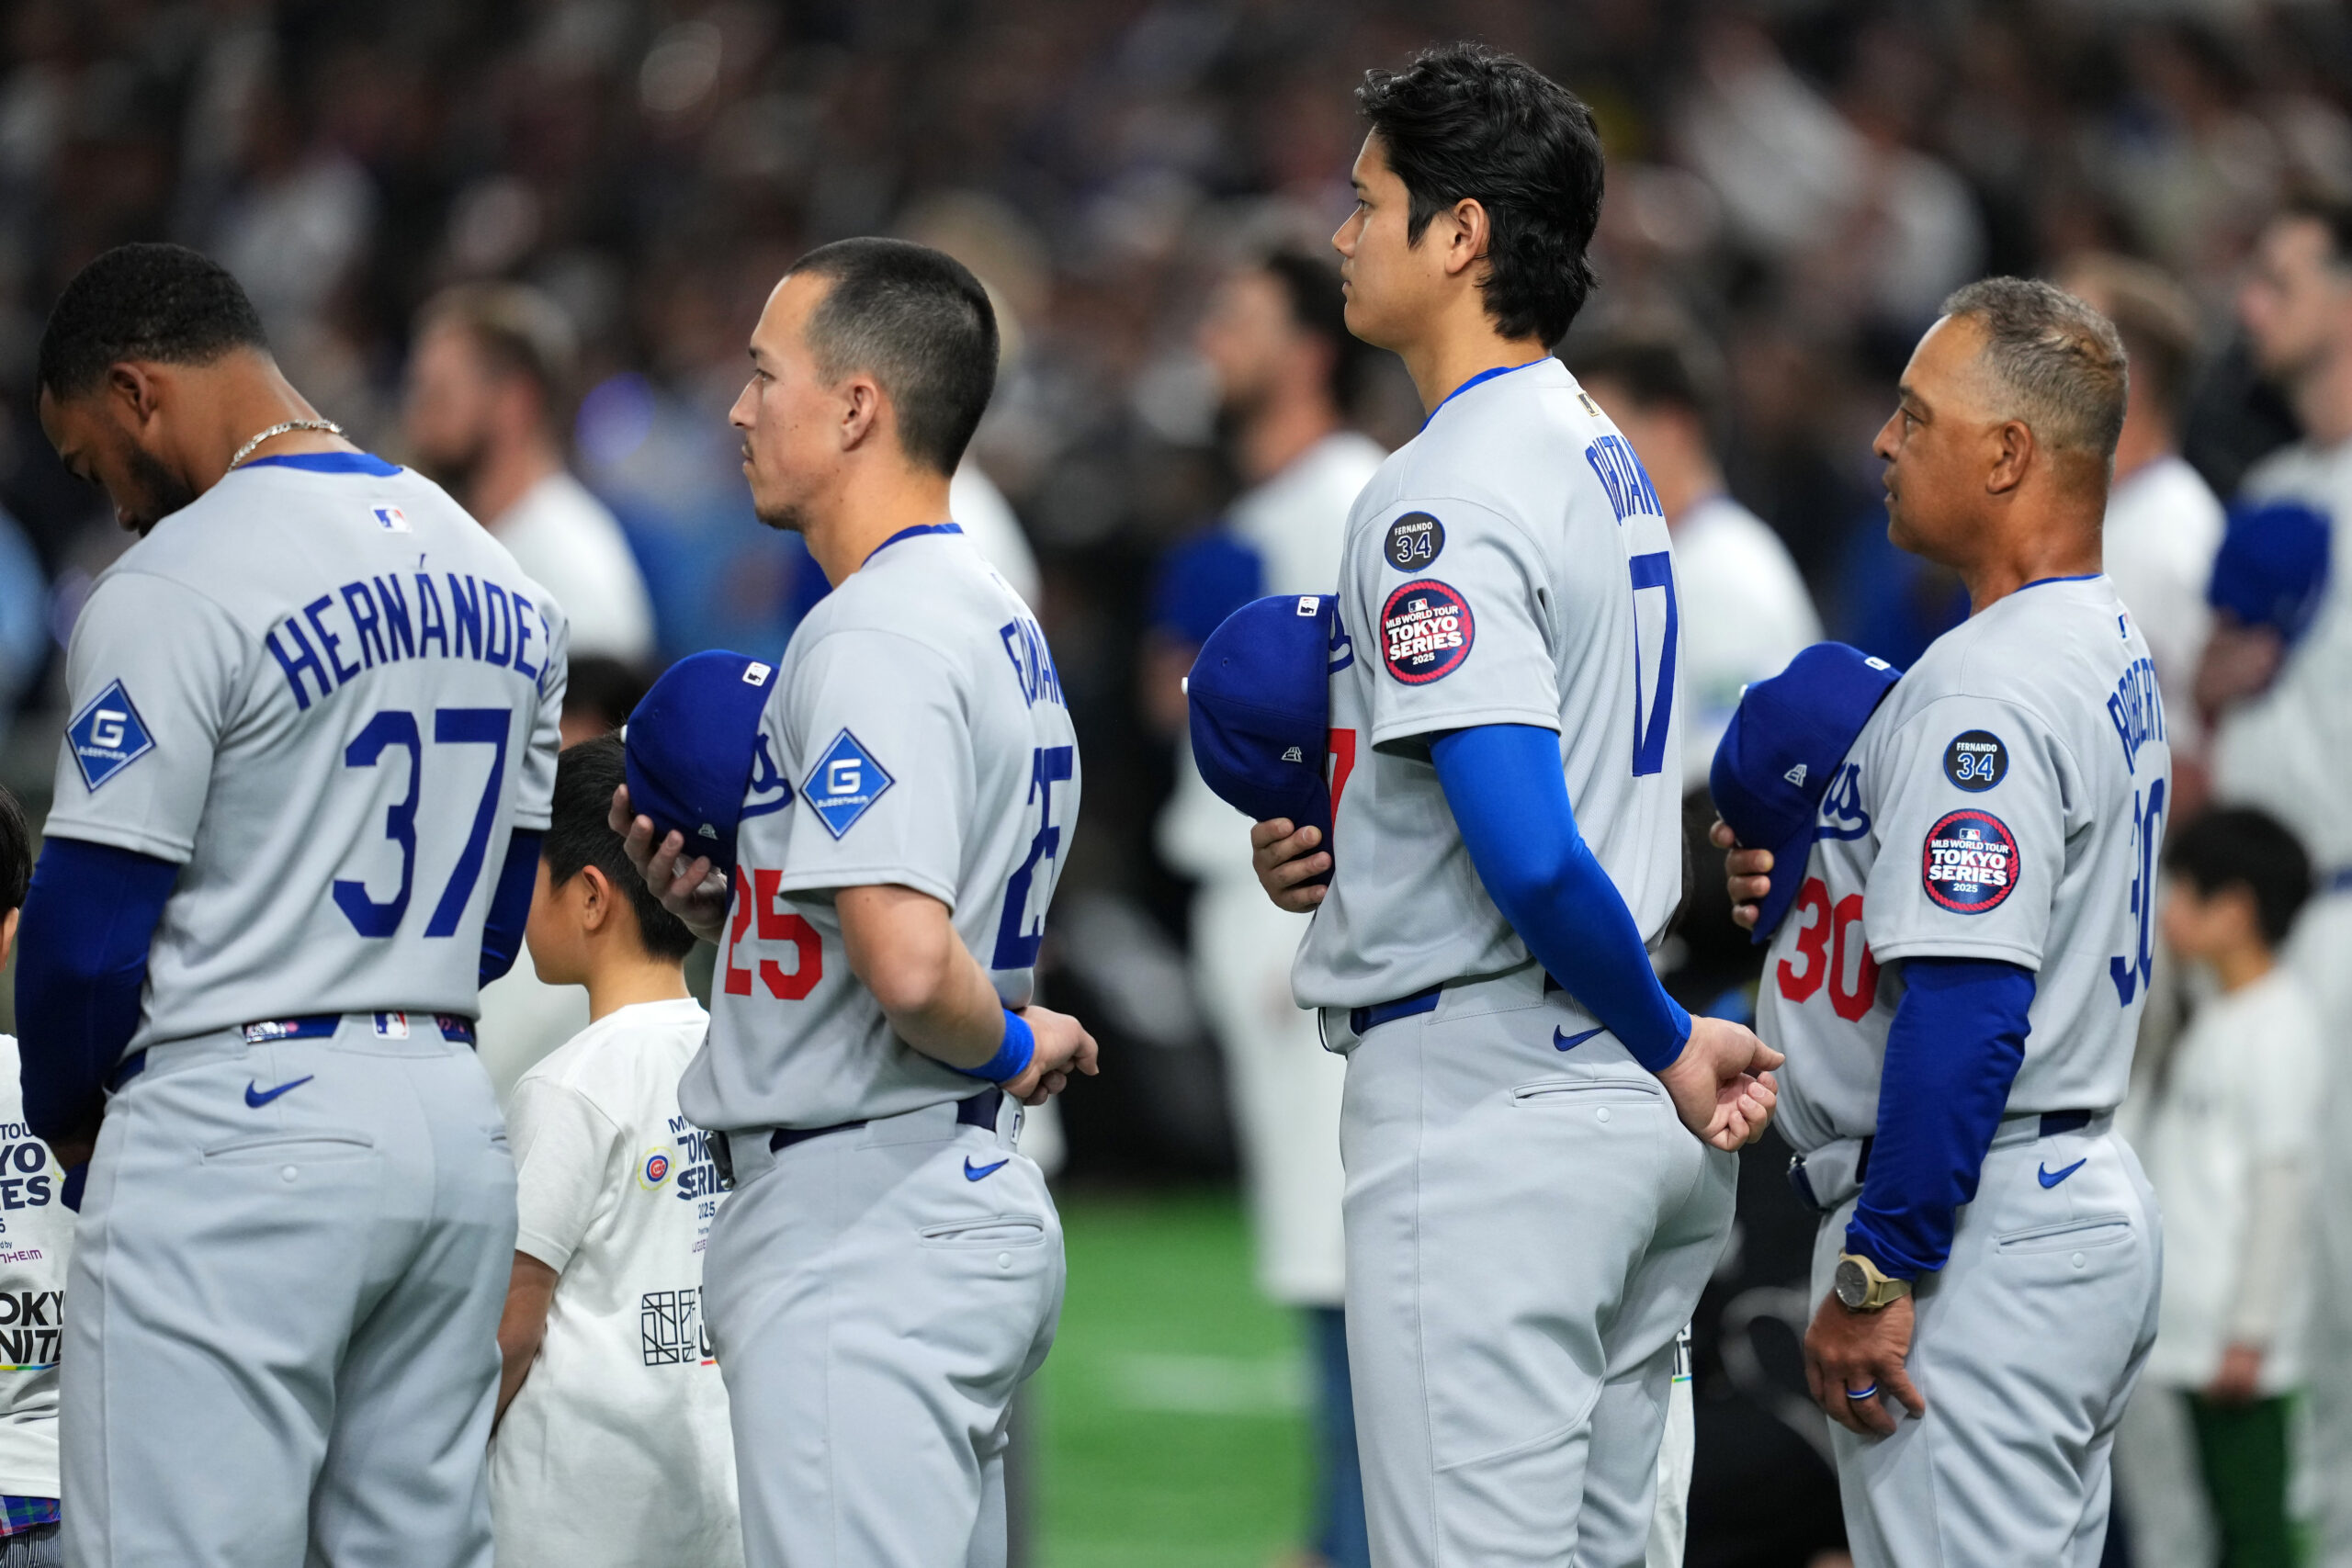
1862, 1286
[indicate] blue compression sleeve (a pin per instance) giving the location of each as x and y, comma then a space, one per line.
510, 905
81, 968
1504, 784
1952, 1052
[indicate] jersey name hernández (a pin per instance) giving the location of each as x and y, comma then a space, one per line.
1510, 565
917, 736
331, 696
2008, 801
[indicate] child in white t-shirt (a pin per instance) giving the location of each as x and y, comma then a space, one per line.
2229, 1136
612, 1448
36, 1245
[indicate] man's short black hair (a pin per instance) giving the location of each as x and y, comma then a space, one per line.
2241, 847
918, 320
581, 834
1463, 121
1658, 368
16, 853
1311, 286
158, 302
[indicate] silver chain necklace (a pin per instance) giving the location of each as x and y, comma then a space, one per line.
330, 426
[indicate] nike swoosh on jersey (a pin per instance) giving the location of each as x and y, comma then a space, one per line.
258, 1097
2053, 1178
987, 1171
1564, 1041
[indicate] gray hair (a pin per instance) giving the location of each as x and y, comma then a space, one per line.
2059, 362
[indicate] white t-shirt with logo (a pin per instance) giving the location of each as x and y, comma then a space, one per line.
616, 1453
36, 1245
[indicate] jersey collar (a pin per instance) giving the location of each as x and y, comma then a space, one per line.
1481, 376
909, 534
327, 463
2078, 577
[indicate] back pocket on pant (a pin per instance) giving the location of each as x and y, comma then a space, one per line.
1553, 1094
988, 1229
263, 1148
2068, 1235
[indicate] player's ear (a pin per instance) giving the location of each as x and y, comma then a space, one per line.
132, 388
1471, 228
861, 410
2013, 454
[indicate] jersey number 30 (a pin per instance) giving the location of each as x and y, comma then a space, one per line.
398, 728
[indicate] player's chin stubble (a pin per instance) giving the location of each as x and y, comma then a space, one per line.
156, 491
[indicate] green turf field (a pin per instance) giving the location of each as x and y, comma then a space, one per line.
1171, 1413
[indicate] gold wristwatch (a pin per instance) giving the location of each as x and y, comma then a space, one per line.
1862, 1287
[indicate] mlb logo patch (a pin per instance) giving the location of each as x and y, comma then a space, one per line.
1426, 631
845, 784
1969, 863
107, 736
390, 519
391, 1026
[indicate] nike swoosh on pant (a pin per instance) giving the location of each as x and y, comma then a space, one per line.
1564, 1041
258, 1097
986, 1170
2052, 1179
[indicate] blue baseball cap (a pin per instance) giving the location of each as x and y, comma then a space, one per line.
1261, 699
2271, 569
1786, 741
690, 744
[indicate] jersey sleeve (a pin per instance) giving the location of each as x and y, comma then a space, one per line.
568, 1157
535, 784
1457, 630
1970, 820
884, 743
154, 673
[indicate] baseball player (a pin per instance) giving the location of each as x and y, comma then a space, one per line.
1968, 893
296, 824
896, 805
1528, 1225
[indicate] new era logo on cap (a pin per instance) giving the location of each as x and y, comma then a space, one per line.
107, 736
1795, 776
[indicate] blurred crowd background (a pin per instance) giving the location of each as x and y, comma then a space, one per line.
1797, 182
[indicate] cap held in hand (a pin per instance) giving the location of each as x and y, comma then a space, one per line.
693, 746
1261, 700
1784, 751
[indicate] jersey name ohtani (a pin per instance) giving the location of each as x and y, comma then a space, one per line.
383, 621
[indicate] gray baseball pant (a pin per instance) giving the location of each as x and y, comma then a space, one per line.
1528, 1233
874, 1296
283, 1345
2026, 1347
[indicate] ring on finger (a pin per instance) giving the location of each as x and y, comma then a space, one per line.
1863, 1392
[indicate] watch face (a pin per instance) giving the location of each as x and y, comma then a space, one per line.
1853, 1285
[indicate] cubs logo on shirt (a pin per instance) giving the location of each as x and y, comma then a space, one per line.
1969, 862
1426, 630
655, 1169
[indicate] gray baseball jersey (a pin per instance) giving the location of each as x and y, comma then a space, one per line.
330, 695
1510, 565
916, 735
2006, 801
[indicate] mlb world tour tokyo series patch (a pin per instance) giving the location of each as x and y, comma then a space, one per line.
1426, 630
1969, 862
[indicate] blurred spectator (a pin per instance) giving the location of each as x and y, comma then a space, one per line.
2284, 736
1745, 610
1284, 361
487, 398
2229, 1138
2162, 520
